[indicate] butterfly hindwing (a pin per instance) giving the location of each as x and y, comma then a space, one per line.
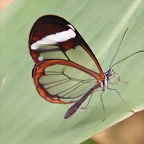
62, 81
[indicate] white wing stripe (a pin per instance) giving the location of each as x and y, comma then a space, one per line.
54, 38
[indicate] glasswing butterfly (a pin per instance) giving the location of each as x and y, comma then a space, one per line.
66, 70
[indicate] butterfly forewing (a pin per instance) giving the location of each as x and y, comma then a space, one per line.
53, 37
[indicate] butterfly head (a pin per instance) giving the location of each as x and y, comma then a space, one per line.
109, 73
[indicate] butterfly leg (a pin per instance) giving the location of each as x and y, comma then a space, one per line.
103, 104
121, 99
118, 78
87, 103
89, 100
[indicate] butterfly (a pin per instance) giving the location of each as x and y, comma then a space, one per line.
66, 70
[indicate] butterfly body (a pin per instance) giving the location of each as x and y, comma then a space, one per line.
106, 81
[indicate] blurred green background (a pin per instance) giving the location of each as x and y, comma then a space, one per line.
26, 118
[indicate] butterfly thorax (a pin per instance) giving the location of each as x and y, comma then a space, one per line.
107, 76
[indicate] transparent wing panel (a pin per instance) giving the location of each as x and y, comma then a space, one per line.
80, 56
66, 82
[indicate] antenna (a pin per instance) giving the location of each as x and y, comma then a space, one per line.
118, 48
127, 57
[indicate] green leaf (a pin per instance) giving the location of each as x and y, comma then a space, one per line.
89, 141
27, 118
